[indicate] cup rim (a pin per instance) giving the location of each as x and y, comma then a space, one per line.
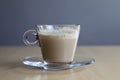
57, 25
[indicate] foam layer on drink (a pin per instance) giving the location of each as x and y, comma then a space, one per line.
60, 32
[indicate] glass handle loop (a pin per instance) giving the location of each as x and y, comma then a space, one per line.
25, 37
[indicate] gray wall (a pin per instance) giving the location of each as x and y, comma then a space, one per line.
99, 19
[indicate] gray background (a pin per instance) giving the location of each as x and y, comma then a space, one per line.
99, 19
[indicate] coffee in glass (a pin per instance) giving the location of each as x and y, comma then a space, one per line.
57, 42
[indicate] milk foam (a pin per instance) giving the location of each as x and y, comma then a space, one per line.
60, 32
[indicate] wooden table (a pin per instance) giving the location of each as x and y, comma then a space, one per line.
106, 67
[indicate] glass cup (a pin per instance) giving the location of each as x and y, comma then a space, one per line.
57, 42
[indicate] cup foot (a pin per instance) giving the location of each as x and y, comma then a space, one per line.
56, 66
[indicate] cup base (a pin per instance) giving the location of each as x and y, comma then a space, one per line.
56, 66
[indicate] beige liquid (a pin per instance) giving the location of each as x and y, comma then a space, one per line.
57, 48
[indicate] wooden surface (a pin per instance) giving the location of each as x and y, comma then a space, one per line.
106, 67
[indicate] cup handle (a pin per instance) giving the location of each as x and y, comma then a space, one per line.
25, 37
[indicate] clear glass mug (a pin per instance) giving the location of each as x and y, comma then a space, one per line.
57, 42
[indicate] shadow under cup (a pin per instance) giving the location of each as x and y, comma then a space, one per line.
57, 42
